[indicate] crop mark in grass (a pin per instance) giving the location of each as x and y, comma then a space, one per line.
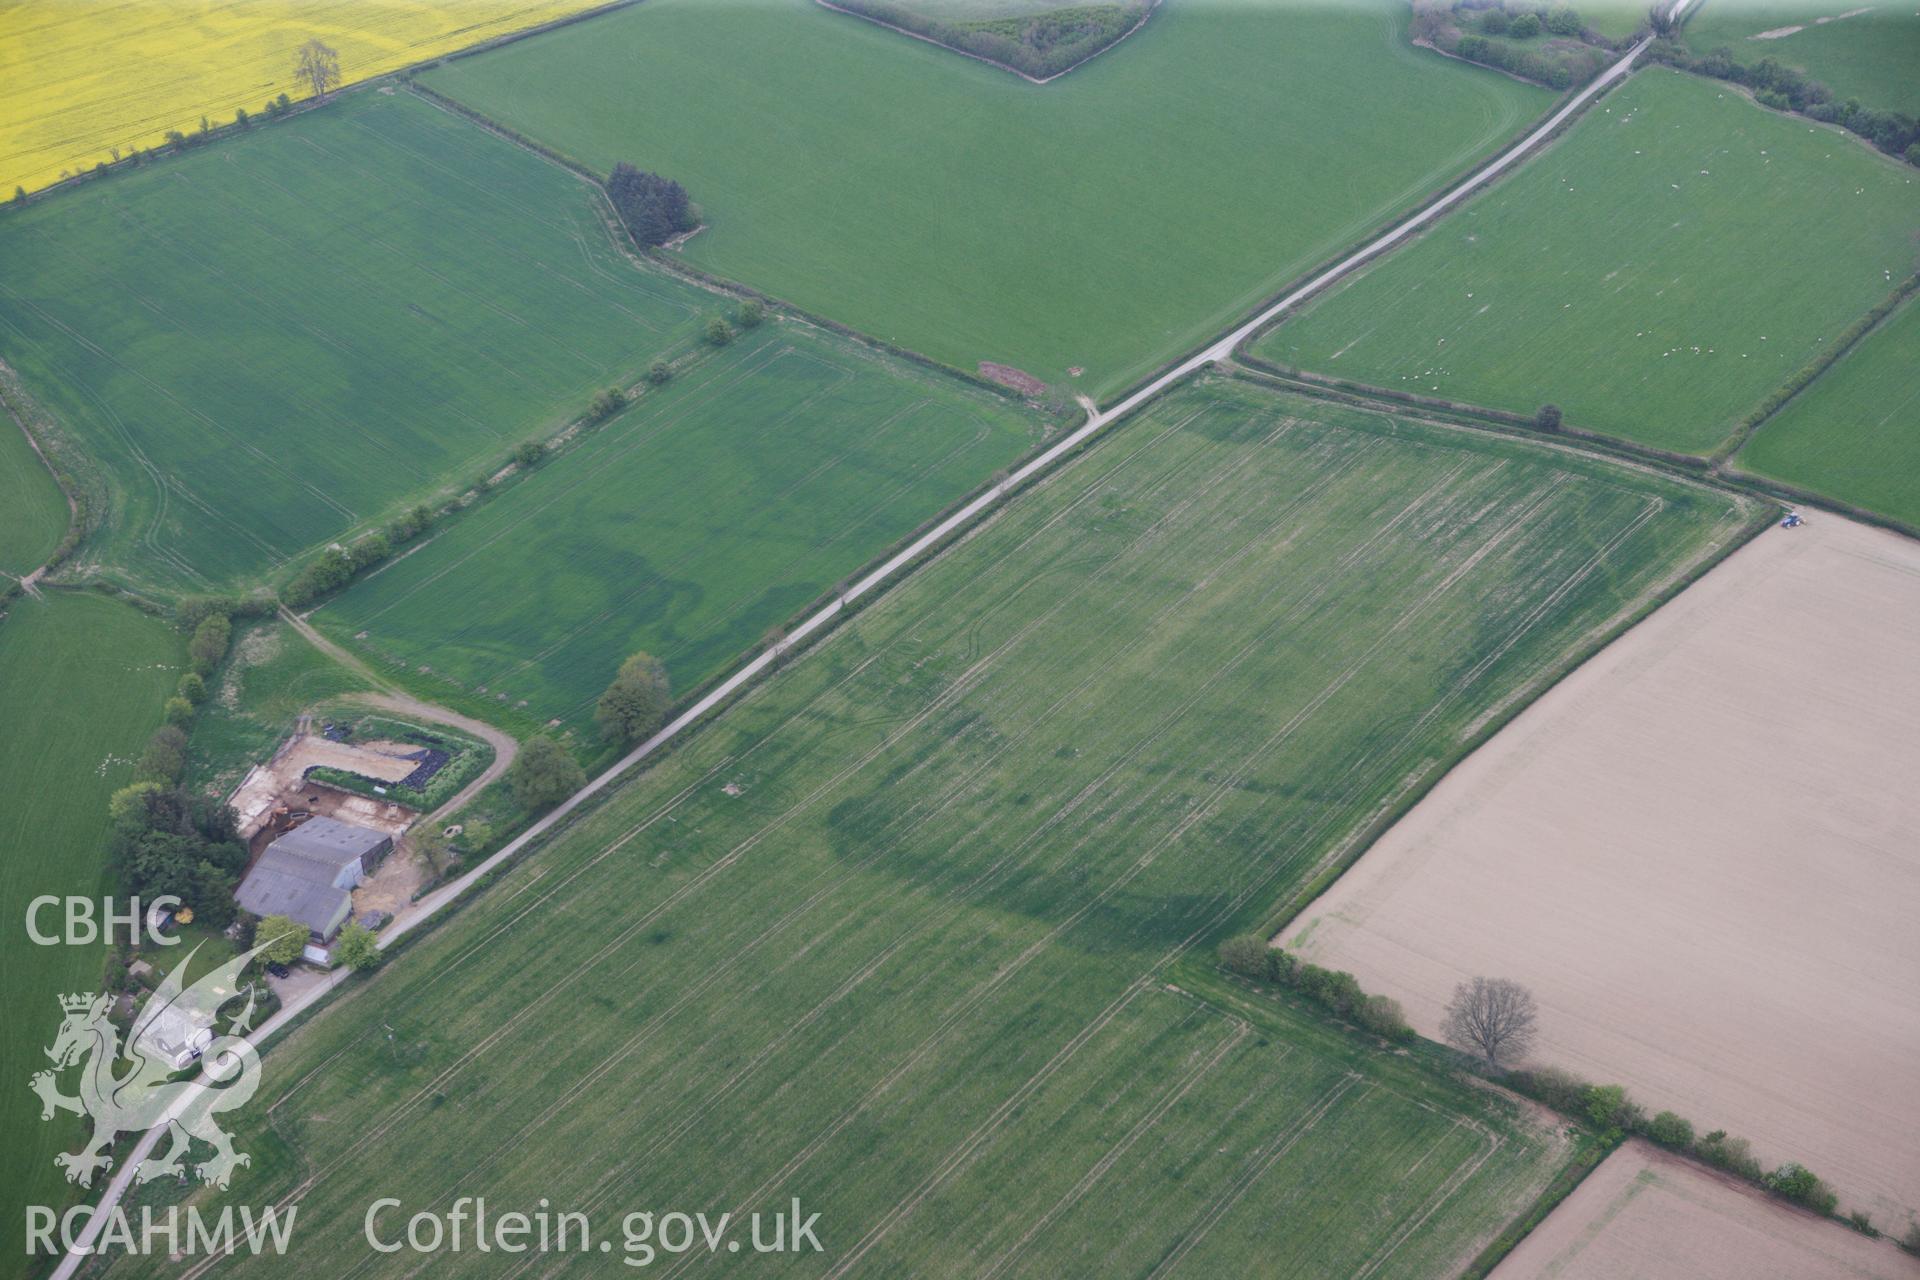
274, 440
810, 456
1035, 950
1461, 1174
1175, 1092
1008, 969
1276, 1148
962, 1155
904, 1041
780, 927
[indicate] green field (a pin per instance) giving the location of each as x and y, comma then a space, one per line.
714, 509
33, 513
272, 341
272, 675
1107, 221
1869, 52
1615, 19
892, 935
1681, 253
82, 680
1854, 435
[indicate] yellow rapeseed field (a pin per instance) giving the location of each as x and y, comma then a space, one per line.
81, 78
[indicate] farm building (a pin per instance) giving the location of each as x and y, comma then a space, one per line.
309, 874
341, 847
175, 1037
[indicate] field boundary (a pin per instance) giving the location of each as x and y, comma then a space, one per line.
1479, 415
1356, 846
85, 510
1451, 192
225, 132
962, 522
675, 266
1811, 372
981, 57
1724, 470
1604, 87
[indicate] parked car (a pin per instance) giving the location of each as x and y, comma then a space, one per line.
278, 970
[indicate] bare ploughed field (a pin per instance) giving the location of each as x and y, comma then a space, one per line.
1647, 1215
1702, 853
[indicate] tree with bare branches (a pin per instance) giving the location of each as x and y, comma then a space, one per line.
1493, 1017
317, 65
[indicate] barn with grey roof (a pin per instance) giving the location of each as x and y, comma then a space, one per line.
308, 874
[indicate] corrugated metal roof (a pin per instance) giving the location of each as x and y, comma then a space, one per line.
329, 841
269, 890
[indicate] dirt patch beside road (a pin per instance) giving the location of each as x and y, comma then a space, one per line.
1652, 1216
1702, 853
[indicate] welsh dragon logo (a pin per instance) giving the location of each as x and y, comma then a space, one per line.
133, 1086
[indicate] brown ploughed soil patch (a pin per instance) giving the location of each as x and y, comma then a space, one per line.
1008, 376
1702, 853
1652, 1216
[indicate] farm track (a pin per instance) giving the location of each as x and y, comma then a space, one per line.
895, 567
390, 698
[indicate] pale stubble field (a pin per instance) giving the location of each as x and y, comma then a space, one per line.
1699, 852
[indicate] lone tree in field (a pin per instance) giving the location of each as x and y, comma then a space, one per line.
636, 702
654, 208
1492, 1017
1548, 417
544, 774
319, 66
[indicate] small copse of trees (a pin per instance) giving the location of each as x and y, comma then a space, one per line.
654, 209
605, 404
1501, 35
165, 841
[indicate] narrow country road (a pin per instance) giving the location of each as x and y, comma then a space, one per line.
1097, 421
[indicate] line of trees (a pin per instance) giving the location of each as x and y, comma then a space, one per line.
316, 64
1495, 1020
162, 839
1039, 45
1786, 88
1335, 990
